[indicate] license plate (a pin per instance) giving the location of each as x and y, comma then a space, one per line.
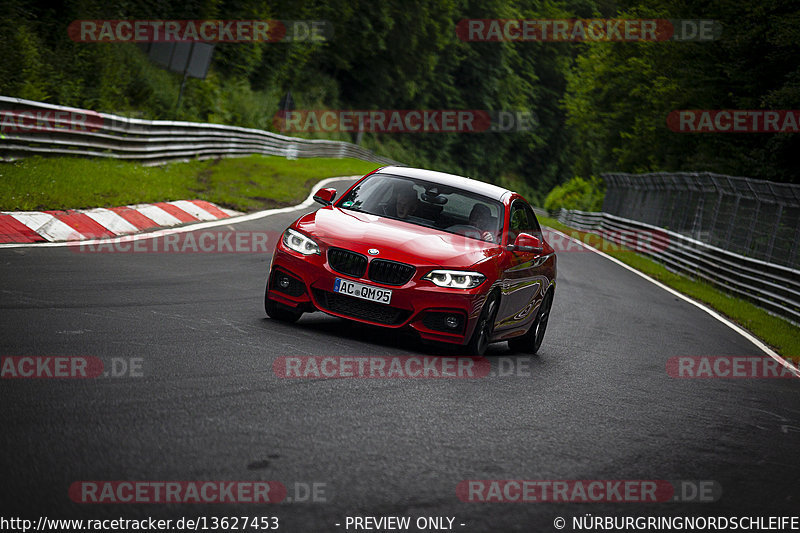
365, 292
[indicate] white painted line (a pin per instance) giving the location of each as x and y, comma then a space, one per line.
111, 221
195, 210
47, 226
735, 327
157, 215
191, 227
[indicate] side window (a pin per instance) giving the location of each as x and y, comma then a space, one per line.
535, 229
523, 221
518, 222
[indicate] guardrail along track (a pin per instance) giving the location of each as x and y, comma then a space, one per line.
775, 288
52, 130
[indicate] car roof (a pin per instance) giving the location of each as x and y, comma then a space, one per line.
468, 184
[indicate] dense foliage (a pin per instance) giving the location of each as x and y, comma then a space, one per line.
599, 106
577, 193
618, 95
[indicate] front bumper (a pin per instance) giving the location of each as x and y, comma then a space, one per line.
418, 304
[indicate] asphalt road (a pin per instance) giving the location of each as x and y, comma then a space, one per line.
595, 404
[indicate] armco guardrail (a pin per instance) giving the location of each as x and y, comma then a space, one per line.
773, 287
36, 128
755, 218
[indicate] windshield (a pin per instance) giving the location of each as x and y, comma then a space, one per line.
427, 204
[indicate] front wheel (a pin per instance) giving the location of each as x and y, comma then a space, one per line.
485, 327
531, 341
279, 312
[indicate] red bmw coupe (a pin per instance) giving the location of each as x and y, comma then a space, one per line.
457, 260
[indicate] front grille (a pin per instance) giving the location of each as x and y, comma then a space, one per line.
390, 272
347, 262
361, 309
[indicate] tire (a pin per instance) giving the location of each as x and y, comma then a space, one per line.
278, 311
485, 327
531, 341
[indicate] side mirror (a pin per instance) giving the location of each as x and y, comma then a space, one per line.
526, 243
325, 196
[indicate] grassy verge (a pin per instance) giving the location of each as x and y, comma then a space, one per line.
246, 184
782, 336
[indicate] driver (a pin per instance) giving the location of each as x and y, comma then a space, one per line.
406, 201
481, 218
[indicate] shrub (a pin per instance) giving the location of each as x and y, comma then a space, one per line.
577, 193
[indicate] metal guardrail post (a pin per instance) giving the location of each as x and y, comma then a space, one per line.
751, 226
793, 255
712, 229
732, 222
689, 200
771, 243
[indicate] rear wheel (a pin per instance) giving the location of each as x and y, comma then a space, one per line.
278, 311
531, 341
485, 327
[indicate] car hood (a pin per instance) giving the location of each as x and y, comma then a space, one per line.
394, 239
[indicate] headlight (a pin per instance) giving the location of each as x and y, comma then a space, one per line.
294, 240
455, 279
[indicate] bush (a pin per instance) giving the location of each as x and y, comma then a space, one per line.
577, 193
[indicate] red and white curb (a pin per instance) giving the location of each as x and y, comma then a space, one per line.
234, 218
84, 224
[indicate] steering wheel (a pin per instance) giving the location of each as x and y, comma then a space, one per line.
464, 229
469, 230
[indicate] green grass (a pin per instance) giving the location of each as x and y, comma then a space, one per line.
245, 184
781, 335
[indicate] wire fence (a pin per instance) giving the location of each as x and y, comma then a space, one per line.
772, 287
754, 218
29, 128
